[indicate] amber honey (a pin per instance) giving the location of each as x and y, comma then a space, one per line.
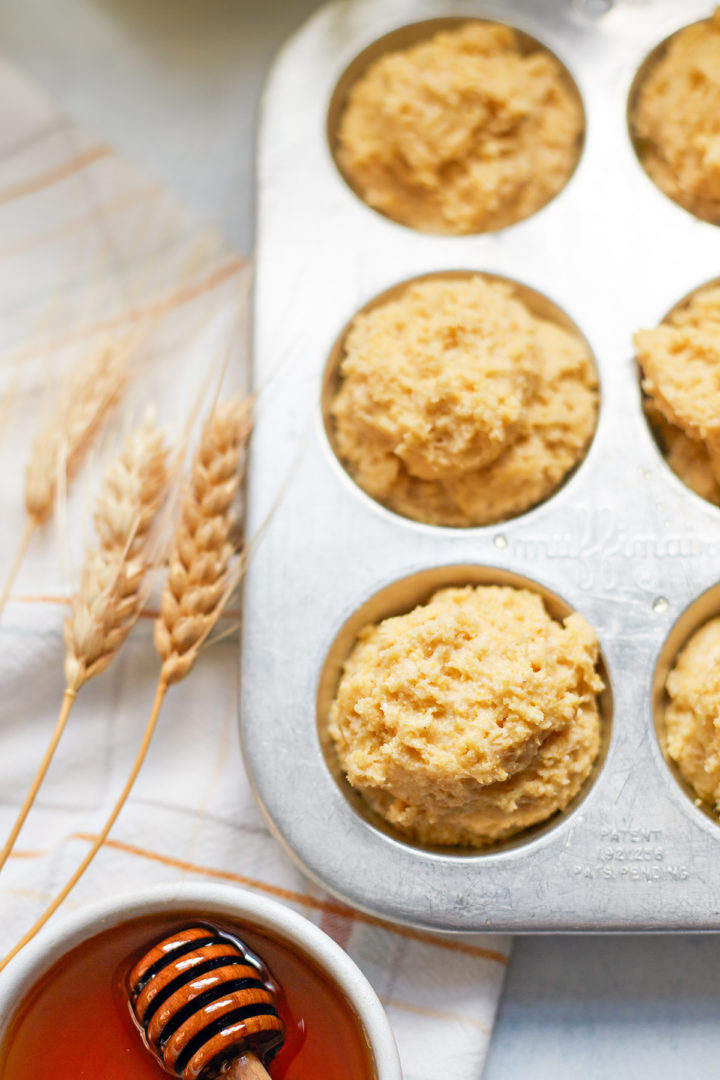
76, 1022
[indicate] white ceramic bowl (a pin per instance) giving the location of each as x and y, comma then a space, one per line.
206, 900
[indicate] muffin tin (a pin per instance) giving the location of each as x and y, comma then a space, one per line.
623, 541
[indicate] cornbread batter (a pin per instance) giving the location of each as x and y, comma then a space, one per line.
691, 719
676, 120
680, 363
462, 133
471, 717
458, 406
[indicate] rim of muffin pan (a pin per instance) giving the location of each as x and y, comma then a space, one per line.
639, 145
536, 302
404, 37
399, 598
670, 473
700, 611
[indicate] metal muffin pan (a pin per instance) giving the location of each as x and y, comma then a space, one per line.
623, 541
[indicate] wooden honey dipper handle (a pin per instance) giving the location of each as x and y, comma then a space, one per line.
247, 1067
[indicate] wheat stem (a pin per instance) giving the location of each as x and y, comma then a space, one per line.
31, 525
109, 598
203, 570
67, 703
102, 836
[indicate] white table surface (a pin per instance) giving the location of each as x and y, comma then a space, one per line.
175, 84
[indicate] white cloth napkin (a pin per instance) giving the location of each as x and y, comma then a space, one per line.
89, 248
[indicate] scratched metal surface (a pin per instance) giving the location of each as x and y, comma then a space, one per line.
623, 542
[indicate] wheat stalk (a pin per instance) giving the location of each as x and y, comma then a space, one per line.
199, 577
108, 600
109, 596
92, 390
205, 565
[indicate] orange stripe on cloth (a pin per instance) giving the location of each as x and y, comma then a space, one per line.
52, 176
154, 310
76, 225
435, 1014
338, 927
327, 906
65, 601
28, 894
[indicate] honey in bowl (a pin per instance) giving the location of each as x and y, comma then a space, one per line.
77, 1020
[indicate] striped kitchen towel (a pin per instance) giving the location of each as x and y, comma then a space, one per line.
90, 249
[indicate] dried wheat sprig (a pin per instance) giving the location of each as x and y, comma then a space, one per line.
92, 390
108, 599
205, 565
109, 596
199, 573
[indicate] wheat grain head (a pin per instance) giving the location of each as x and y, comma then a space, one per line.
200, 574
108, 598
93, 389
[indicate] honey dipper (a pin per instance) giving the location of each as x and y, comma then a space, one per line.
204, 1007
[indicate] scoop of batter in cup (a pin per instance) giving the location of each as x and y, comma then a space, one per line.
462, 133
458, 406
470, 718
680, 365
675, 121
692, 724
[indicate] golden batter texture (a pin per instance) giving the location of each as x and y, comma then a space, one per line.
680, 364
692, 719
676, 120
462, 133
470, 718
458, 406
